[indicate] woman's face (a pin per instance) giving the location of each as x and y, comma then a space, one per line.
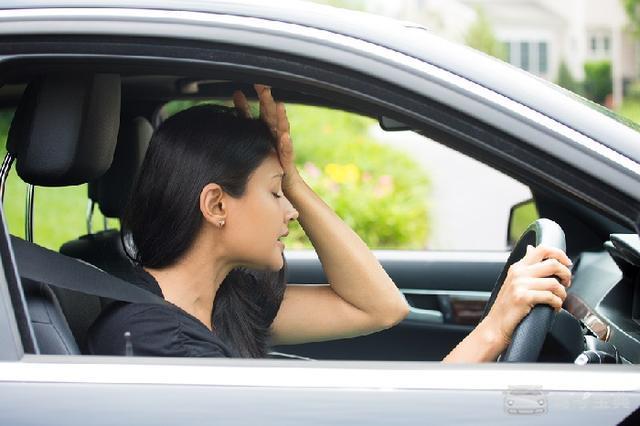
259, 218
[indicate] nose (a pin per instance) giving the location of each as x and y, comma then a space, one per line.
292, 213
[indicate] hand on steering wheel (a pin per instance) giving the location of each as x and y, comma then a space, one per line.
538, 278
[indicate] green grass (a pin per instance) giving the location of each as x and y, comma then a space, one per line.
630, 109
59, 213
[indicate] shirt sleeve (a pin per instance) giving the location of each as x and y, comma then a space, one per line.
154, 330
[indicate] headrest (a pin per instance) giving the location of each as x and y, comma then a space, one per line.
111, 191
64, 130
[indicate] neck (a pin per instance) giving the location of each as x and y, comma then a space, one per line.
192, 283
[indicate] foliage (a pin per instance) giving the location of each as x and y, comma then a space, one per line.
523, 215
632, 7
630, 109
481, 37
633, 92
59, 214
379, 192
566, 80
597, 82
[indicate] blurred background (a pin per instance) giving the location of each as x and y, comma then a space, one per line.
590, 47
400, 190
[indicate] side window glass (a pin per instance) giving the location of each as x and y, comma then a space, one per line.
396, 189
400, 189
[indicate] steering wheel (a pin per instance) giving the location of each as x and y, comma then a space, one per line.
529, 335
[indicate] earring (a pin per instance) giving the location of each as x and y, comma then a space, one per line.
221, 224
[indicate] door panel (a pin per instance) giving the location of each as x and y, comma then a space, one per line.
446, 291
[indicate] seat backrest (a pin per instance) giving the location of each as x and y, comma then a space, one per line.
64, 133
104, 249
50, 327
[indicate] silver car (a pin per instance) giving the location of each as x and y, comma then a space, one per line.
581, 164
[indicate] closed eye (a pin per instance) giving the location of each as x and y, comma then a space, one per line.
276, 195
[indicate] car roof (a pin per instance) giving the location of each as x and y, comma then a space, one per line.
565, 107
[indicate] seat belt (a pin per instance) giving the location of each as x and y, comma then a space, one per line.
39, 264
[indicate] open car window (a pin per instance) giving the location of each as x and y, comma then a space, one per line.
399, 190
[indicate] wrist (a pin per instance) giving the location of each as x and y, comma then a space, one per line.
491, 334
293, 182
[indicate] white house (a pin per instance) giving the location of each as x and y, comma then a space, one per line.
538, 34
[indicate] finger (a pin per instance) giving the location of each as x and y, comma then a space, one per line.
285, 147
550, 267
542, 252
536, 297
259, 88
267, 105
547, 284
527, 259
241, 103
283, 121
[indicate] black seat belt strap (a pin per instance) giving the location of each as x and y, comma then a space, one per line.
36, 263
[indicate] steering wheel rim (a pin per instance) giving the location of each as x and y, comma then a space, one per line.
528, 337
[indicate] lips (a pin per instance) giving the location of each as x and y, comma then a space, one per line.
283, 235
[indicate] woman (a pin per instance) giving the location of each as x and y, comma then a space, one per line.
214, 196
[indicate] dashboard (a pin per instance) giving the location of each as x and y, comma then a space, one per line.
605, 298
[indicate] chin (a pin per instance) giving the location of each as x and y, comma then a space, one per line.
275, 267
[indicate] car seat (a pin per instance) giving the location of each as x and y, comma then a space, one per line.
104, 249
63, 133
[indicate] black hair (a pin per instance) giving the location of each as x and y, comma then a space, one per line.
192, 148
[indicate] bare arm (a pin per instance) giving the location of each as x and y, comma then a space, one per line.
360, 298
525, 285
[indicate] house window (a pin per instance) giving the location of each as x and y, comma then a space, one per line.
530, 55
524, 56
599, 44
507, 51
543, 61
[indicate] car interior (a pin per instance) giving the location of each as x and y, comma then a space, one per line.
91, 124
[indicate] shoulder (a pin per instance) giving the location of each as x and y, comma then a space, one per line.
155, 330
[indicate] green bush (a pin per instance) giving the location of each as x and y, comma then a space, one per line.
597, 80
566, 80
380, 192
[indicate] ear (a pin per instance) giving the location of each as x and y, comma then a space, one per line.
213, 204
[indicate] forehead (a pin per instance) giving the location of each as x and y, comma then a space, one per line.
271, 164
269, 167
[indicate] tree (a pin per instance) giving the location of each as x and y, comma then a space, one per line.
480, 36
632, 7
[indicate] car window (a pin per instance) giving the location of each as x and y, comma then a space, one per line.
397, 189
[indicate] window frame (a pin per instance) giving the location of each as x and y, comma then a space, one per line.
461, 129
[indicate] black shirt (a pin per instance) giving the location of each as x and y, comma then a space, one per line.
156, 329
